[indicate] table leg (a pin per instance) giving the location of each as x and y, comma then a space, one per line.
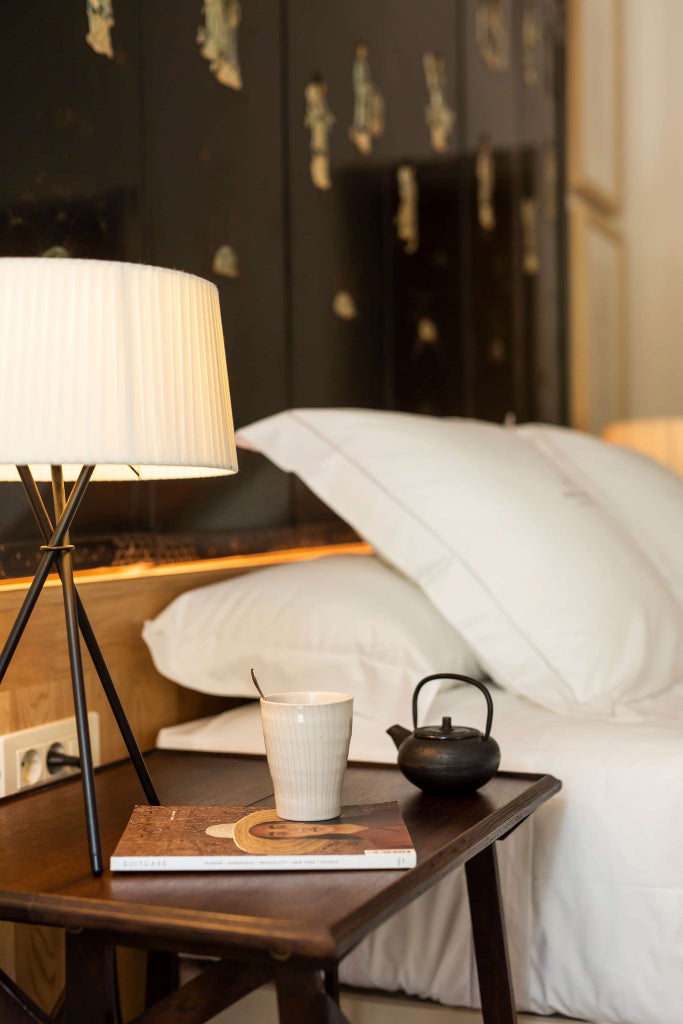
490, 943
302, 999
90, 980
163, 976
332, 984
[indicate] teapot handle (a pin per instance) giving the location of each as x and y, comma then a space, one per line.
464, 679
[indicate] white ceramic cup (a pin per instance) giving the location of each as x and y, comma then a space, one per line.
307, 735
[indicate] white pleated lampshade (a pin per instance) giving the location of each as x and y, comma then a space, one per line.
116, 365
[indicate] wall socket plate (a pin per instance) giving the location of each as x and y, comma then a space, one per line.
23, 754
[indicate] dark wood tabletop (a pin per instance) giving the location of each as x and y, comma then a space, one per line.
45, 872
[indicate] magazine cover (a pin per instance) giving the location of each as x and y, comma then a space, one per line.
244, 839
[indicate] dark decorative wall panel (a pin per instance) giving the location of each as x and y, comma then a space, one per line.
70, 177
213, 176
389, 289
541, 142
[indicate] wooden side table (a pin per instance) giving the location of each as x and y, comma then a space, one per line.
293, 928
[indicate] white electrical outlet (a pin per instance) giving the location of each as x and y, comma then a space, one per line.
23, 754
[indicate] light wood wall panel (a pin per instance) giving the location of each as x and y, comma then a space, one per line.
37, 687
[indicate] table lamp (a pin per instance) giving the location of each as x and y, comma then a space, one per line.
108, 371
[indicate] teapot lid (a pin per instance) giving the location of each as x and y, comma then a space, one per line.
446, 731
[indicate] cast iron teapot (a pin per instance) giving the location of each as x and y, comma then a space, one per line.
447, 760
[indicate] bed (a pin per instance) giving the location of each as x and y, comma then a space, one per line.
544, 561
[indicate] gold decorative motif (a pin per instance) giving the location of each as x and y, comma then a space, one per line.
407, 218
528, 213
100, 23
492, 35
368, 109
485, 171
319, 120
56, 252
217, 39
532, 40
226, 262
549, 178
426, 336
497, 350
344, 306
439, 116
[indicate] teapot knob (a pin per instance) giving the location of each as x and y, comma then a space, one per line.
446, 723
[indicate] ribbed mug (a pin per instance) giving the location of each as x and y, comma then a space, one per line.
307, 735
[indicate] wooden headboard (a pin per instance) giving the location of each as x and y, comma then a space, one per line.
37, 687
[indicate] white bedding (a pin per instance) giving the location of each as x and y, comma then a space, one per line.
592, 883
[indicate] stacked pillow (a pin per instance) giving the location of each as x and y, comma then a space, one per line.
554, 555
346, 623
644, 498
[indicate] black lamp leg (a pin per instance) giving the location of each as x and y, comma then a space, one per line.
57, 554
51, 551
78, 684
46, 528
58, 547
112, 696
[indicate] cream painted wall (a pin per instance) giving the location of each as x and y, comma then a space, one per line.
652, 213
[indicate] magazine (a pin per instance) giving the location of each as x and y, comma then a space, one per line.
244, 839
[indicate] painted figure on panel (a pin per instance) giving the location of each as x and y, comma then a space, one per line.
407, 215
368, 110
492, 35
439, 116
226, 262
217, 39
486, 181
100, 23
319, 120
344, 305
528, 210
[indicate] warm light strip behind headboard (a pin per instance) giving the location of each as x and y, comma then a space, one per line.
137, 570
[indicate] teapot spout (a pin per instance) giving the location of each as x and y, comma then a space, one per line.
398, 734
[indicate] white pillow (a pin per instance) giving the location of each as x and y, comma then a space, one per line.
644, 498
554, 599
346, 623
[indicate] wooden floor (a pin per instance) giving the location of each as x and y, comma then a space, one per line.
367, 1008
